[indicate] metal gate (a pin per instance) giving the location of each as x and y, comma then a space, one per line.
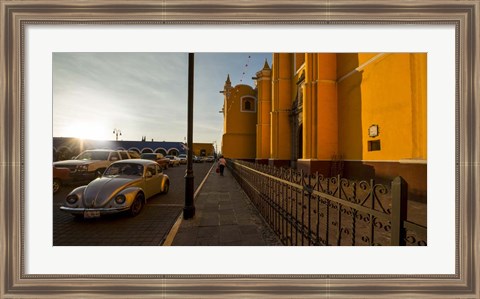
312, 210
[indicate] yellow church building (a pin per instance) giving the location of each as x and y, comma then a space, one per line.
360, 115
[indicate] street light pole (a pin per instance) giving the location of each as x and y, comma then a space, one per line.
189, 208
117, 132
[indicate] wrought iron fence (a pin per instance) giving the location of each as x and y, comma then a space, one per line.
312, 210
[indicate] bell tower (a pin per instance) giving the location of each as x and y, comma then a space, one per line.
239, 121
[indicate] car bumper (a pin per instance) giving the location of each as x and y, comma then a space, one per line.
101, 211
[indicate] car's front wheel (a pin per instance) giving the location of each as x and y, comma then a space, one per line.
137, 205
166, 187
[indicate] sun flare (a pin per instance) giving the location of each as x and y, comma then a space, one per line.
87, 131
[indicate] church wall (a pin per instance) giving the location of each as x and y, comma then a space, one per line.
239, 146
343, 96
388, 90
381, 93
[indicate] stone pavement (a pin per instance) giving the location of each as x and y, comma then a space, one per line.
224, 216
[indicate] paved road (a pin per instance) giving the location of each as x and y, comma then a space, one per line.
147, 229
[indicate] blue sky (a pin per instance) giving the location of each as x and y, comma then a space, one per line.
144, 94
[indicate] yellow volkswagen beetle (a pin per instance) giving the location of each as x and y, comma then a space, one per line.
124, 187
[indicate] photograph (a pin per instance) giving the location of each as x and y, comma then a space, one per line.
312, 149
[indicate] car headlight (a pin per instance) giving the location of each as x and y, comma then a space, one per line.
120, 199
82, 167
71, 199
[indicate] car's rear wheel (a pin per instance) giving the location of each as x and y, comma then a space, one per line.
57, 184
137, 205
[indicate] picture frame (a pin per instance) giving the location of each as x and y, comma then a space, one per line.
16, 14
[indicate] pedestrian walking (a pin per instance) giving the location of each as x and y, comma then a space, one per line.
221, 164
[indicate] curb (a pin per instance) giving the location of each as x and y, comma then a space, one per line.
173, 231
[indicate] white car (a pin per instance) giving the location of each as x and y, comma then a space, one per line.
182, 158
91, 164
174, 161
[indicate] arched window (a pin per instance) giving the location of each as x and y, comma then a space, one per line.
248, 104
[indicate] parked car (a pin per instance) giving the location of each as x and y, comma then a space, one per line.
182, 158
133, 154
125, 154
61, 176
124, 187
197, 159
210, 159
159, 158
174, 161
91, 164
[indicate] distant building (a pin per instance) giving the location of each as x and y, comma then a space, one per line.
361, 115
203, 149
65, 148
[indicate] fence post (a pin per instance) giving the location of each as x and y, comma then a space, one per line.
399, 210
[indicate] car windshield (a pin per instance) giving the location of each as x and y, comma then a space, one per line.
93, 156
124, 169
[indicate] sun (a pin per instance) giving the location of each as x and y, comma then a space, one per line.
87, 131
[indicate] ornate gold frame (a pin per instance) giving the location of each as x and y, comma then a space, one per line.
15, 14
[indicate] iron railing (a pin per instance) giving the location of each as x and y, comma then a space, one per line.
312, 210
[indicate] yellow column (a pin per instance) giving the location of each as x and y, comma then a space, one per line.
281, 104
307, 108
326, 110
418, 74
315, 105
264, 97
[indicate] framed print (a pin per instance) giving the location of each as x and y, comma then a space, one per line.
34, 34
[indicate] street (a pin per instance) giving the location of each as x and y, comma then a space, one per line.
147, 229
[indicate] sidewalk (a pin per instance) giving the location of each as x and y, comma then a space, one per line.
224, 216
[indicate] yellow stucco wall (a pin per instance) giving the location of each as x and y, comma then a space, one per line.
239, 146
239, 136
343, 95
388, 90
207, 147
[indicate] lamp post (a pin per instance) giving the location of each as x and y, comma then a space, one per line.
189, 208
117, 132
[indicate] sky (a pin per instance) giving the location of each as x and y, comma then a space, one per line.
145, 94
